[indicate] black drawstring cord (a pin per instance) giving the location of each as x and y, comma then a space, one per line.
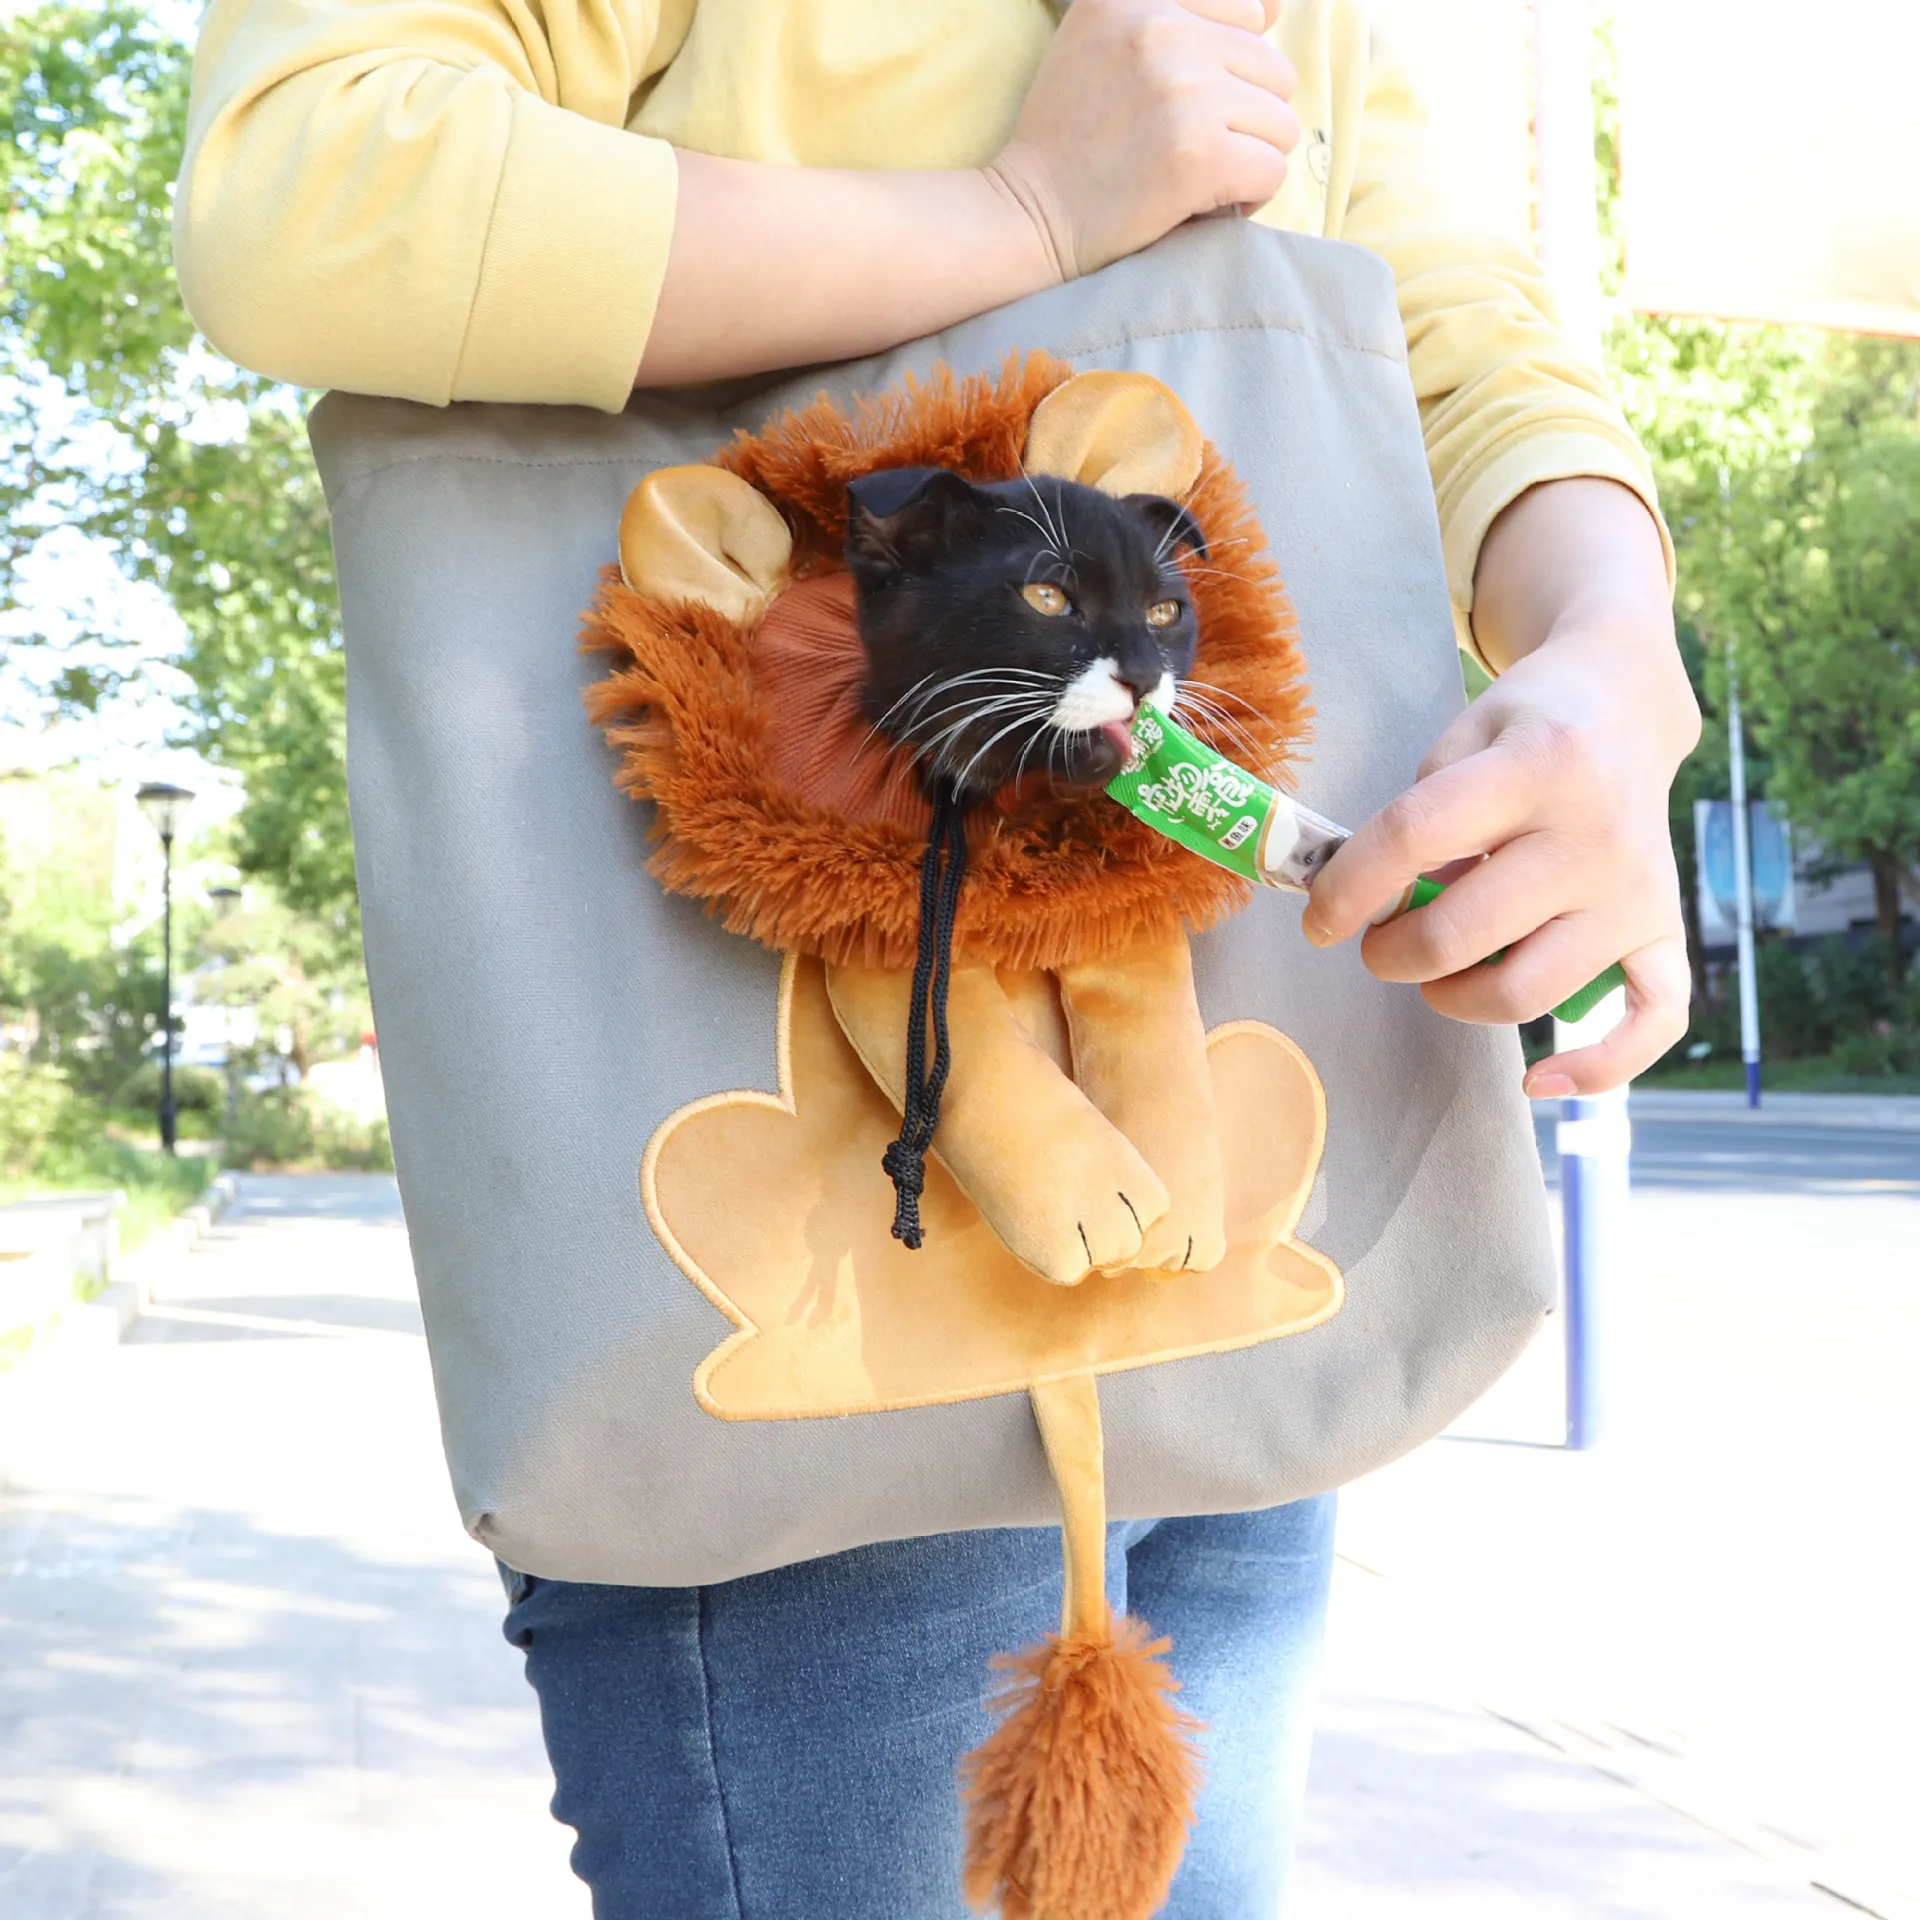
906, 1160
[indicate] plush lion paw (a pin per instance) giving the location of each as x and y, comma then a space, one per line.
1189, 1239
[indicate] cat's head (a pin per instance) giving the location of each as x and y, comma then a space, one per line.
1016, 627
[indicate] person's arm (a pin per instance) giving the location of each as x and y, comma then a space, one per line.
1545, 804
389, 197
1142, 114
1506, 404
1559, 772
438, 199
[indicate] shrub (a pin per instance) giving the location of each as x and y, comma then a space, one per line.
39, 1116
289, 1127
271, 1128
359, 1146
1879, 1055
195, 1089
1795, 1020
1851, 982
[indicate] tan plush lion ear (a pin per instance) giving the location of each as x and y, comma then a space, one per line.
1120, 432
703, 534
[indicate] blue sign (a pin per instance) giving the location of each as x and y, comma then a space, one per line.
1770, 854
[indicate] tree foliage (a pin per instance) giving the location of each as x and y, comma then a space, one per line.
1789, 468
118, 421
286, 969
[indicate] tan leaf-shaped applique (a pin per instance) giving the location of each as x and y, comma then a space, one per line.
775, 1206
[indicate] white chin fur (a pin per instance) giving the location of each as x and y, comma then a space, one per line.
1164, 695
1093, 697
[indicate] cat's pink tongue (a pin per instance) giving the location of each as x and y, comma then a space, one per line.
1120, 732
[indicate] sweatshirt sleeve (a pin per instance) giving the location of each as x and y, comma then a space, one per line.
430, 199
1505, 401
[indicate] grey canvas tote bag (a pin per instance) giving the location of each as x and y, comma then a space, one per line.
544, 1005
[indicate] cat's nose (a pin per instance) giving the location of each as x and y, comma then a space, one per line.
1139, 681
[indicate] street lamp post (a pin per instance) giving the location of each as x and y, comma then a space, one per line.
165, 807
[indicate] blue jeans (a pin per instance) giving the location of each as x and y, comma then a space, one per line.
783, 1747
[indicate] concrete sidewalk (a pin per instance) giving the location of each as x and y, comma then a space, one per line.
251, 1667
252, 1670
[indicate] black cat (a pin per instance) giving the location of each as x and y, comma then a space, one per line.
1016, 627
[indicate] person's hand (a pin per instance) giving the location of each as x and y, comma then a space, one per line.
1558, 775
1143, 114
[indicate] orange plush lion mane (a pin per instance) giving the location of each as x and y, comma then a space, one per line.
693, 707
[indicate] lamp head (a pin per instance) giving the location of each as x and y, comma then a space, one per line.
165, 806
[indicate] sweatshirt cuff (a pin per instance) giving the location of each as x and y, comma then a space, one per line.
1564, 454
576, 249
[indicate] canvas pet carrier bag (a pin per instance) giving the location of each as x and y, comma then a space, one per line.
1211, 1220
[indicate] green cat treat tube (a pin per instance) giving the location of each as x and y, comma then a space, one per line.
1184, 789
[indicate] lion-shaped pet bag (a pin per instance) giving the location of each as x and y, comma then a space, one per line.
1212, 1220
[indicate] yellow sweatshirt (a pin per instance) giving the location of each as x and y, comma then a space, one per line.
473, 199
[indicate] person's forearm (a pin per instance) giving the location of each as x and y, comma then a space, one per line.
1567, 550
775, 266
1581, 561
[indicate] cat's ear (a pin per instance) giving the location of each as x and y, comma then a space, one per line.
1120, 432
700, 533
1173, 526
901, 517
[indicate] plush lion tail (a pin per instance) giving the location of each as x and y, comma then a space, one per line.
1080, 1801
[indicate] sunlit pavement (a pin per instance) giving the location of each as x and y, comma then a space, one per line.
1676, 1676
251, 1667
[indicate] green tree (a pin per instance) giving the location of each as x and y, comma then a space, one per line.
1789, 468
1819, 587
119, 422
291, 972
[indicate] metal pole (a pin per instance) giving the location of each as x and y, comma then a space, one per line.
168, 1116
1595, 1139
1593, 1134
1743, 888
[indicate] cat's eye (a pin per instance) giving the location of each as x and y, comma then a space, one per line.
1044, 597
1163, 613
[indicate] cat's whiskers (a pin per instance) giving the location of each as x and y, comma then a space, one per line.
1045, 533
1051, 564
1020, 765
1198, 720
1029, 708
961, 680
1221, 693
1002, 676
1199, 701
1057, 536
960, 779
1166, 540
1189, 698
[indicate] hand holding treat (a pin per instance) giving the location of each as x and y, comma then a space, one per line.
1552, 786
1185, 789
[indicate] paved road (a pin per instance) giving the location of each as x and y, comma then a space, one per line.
1732, 1156
250, 1668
